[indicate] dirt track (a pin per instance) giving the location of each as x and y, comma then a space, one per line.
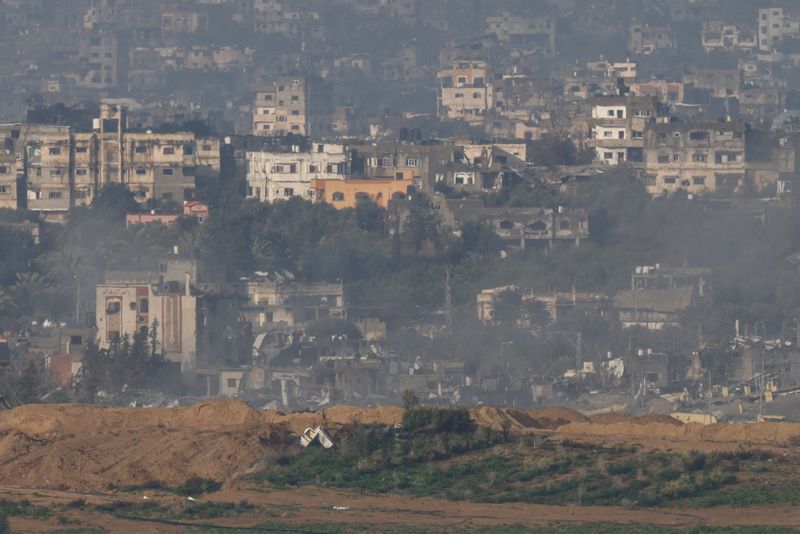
303, 506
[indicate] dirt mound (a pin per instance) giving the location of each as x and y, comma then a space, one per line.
665, 427
95, 447
525, 420
617, 418
611, 418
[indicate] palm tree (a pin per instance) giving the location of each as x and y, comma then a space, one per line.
31, 292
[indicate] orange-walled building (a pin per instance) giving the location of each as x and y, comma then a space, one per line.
343, 194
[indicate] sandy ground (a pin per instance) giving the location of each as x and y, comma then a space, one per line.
46, 451
305, 507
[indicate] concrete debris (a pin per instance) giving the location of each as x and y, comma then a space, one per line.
316, 435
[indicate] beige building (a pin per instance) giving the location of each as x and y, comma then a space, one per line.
617, 126
775, 25
98, 55
274, 176
645, 39
465, 92
694, 157
293, 105
524, 31
128, 303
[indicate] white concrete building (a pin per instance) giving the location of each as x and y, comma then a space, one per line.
274, 176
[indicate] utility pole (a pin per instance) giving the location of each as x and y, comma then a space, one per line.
78, 301
448, 304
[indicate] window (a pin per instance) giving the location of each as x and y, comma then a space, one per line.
188, 150
288, 191
141, 171
313, 168
608, 133
4, 189
338, 197
461, 79
670, 180
476, 94
295, 112
141, 149
698, 136
295, 98
699, 157
699, 180
206, 148
54, 151
663, 158
81, 150
620, 113
54, 195
81, 172
231, 382
621, 134
398, 176
55, 172
608, 155
168, 150
168, 171
676, 156
3, 169
295, 126
412, 163
362, 196
637, 135
610, 112
81, 194
459, 95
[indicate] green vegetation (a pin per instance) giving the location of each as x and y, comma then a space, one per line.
436, 454
22, 508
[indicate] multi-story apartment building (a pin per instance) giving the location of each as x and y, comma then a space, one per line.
717, 35
48, 165
275, 175
524, 31
465, 91
50, 169
644, 39
293, 105
282, 109
695, 157
159, 166
99, 59
617, 126
9, 165
775, 25
424, 164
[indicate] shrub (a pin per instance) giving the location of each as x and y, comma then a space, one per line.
455, 420
198, 486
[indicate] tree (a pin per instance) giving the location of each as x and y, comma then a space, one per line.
113, 202
31, 292
423, 224
370, 216
410, 399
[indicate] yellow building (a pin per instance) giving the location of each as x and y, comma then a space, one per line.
347, 193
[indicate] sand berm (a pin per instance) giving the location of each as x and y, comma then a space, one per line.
99, 448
